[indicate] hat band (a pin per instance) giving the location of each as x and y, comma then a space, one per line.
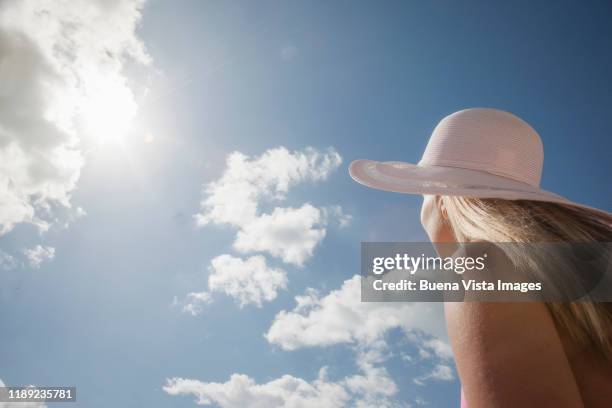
529, 189
471, 165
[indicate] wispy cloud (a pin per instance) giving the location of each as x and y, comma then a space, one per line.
39, 254
441, 372
194, 302
7, 261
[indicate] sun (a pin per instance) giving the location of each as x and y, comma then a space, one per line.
108, 110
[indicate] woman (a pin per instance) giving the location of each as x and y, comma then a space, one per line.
480, 176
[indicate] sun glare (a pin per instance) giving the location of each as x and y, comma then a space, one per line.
108, 111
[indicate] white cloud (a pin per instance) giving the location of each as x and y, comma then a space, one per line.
79, 213
39, 254
20, 404
440, 372
335, 212
337, 318
371, 387
291, 234
430, 347
288, 233
234, 198
249, 281
420, 401
341, 318
424, 354
194, 302
7, 261
60, 80
373, 384
441, 348
242, 391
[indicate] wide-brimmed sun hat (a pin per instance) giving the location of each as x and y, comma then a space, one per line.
478, 152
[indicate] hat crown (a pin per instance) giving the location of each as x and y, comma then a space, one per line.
490, 140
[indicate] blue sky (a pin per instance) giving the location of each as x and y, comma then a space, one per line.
108, 308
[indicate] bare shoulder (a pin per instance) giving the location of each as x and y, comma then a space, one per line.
510, 354
494, 321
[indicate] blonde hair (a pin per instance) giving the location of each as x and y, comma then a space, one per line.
588, 323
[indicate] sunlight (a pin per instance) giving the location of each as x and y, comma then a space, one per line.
108, 110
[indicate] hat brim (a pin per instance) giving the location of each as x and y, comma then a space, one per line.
408, 178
